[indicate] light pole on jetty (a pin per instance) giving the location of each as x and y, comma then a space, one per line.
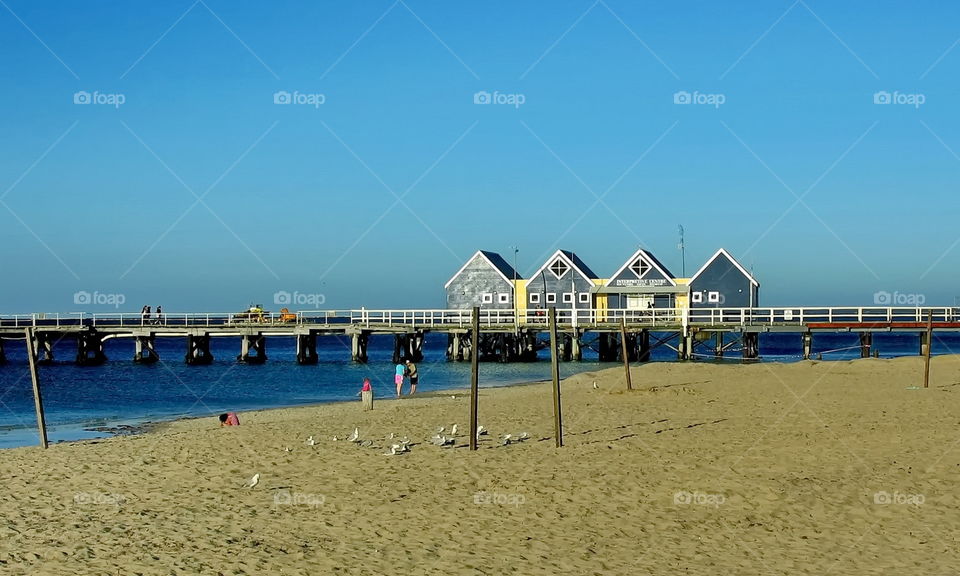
515, 319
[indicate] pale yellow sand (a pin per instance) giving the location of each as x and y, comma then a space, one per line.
809, 468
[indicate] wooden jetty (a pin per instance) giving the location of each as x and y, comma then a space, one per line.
505, 335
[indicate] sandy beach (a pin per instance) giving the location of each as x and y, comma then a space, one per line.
806, 468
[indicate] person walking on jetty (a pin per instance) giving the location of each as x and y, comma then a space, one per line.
398, 378
411, 373
159, 319
145, 314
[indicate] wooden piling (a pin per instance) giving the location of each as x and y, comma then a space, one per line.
474, 374
626, 356
35, 377
367, 397
926, 352
555, 370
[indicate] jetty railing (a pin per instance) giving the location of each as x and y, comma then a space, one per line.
442, 318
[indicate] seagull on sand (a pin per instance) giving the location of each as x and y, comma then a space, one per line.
523, 436
595, 387
310, 441
481, 431
506, 439
440, 440
253, 481
355, 436
441, 429
453, 431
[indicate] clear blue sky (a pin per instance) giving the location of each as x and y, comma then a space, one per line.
297, 197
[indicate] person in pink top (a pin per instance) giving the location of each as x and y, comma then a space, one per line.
229, 419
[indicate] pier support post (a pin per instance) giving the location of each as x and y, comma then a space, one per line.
198, 350
866, 341
751, 345
253, 349
3, 355
807, 344
577, 352
42, 347
453, 348
399, 344
358, 347
718, 345
607, 347
643, 345
307, 348
688, 344
566, 347
144, 350
415, 346
90, 349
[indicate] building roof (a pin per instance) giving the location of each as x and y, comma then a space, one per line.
649, 258
726, 255
495, 261
573, 260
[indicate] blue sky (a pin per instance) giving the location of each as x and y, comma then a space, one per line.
385, 175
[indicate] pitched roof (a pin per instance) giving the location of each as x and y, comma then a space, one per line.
495, 261
649, 258
579, 265
731, 259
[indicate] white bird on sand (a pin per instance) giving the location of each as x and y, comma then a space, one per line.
366, 443
481, 431
391, 435
394, 450
253, 481
335, 438
506, 439
453, 431
355, 436
595, 387
287, 449
441, 429
310, 441
523, 436
440, 440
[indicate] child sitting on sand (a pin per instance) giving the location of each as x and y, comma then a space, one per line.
229, 419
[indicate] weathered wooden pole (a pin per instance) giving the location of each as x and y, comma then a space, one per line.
926, 352
623, 351
474, 374
555, 370
35, 376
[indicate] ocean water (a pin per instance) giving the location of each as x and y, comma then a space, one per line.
77, 399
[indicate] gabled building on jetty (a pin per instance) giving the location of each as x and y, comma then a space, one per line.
564, 281
723, 283
641, 283
486, 280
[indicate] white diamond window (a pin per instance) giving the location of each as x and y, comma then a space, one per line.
639, 267
559, 268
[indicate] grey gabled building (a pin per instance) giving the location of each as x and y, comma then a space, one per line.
723, 283
486, 280
642, 282
563, 281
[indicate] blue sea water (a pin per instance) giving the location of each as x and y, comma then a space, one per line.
120, 392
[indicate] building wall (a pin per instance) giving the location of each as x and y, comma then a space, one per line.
733, 289
570, 282
476, 279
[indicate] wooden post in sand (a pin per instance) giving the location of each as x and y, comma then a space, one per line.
366, 396
623, 350
474, 373
555, 370
35, 376
926, 351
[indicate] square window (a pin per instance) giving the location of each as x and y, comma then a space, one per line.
696, 297
503, 298
486, 298
552, 298
534, 297
583, 297
567, 297
713, 297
